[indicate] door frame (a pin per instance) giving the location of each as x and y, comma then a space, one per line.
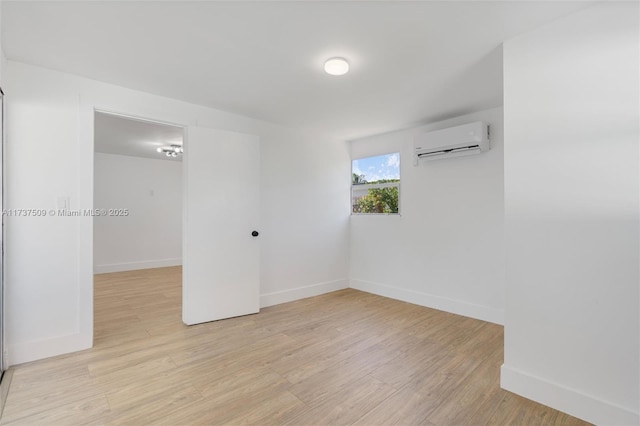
3, 360
87, 109
3, 140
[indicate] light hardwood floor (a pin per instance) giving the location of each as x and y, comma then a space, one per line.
342, 358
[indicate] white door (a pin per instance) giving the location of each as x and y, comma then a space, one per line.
221, 257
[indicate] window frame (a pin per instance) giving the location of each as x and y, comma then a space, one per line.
377, 186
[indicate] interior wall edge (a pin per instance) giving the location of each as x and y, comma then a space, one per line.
458, 307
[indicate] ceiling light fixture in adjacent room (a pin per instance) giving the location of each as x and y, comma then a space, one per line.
171, 150
336, 66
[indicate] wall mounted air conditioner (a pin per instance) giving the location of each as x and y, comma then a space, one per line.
468, 139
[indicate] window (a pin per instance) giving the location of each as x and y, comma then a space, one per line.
375, 184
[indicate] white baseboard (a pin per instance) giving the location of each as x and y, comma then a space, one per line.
31, 351
570, 401
297, 293
458, 307
133, 266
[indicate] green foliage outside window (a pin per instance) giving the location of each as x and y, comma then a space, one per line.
379, 200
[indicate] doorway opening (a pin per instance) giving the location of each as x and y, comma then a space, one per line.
137, 227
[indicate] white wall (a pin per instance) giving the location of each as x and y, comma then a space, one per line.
304, 240
305, 217
571, 190
445, 250
3, 59
150, 236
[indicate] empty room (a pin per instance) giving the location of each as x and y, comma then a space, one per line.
320, 212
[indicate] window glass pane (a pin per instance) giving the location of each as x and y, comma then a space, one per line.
375, 184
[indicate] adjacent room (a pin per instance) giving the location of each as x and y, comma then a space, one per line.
328, 212
137, 225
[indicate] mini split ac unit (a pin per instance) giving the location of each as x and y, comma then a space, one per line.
468, 139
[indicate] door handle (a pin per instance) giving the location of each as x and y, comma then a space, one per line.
255, 233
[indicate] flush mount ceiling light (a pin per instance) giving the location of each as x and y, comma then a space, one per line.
336, 66
171, 150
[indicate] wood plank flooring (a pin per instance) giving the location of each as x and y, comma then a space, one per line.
342, 358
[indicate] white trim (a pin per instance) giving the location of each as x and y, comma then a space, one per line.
186, 319
459, 307
134, 266
85, 161
31, 351
136, 118
284, 296
570, 401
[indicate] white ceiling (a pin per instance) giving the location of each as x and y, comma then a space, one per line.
411, 62
125, 136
